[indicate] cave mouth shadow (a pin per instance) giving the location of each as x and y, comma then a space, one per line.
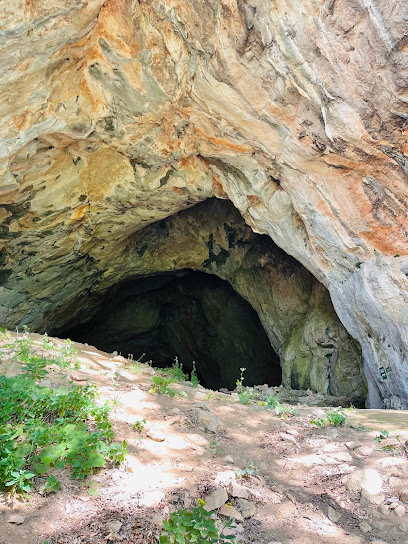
189, 315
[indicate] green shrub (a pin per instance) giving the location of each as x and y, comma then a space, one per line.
42, 429
194, 379
193, 526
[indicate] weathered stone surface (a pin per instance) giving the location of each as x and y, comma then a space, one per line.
217, 499
366, 479
115, 115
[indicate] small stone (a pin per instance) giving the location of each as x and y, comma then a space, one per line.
404, 495
353, 445
399, 511
365, 527
342, 456
114, 526
402, 527
175, 412
287, 437
332, 433
202, 406
208, 420
238, 491
333, 515
263, 465
155, 435
217, 499
16, 519
371, 498
368, 479
230, 512
393, 505
247, 508
229, 460
365, 451
384, 509
293, 432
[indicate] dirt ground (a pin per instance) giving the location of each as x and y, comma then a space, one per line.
298, 475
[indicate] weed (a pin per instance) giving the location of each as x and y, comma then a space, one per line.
209, 395
194, 379
383, 435
240, 380
246, 396
139, 425
161, 386
337, 417
250, 470
176, 371
193, 526
280, 409
44, 428
52, 485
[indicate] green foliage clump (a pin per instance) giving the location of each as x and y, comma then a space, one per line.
194, 379
336, 418
139, 425
193, 526
250, 470
44, 428
176, 371
280, 409
161, 386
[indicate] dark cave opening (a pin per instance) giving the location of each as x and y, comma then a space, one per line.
189, 315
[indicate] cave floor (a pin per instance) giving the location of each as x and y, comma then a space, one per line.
296, 471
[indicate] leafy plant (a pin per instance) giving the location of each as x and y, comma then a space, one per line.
337, 417
193, 526
246, 396
161, 386
382, 436
194, 379
52, 485
176, 371
45, 428
240, 380
250, 470
209, 395
280, 409
139, 425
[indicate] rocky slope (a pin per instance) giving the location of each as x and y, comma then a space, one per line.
116, 114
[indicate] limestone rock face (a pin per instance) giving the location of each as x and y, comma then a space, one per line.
117, 114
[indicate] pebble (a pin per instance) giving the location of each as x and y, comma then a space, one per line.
333, 515
365, 451
367, 479
238, 491
230, 512
353, 445
114, 526
16, 519
365, 527
229, 460
217, 499
287, 437
399, 511
384, 509
247, 508
404, 495
402, 527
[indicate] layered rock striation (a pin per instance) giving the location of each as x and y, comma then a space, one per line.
117, 114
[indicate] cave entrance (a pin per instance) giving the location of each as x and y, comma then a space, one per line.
189, 315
